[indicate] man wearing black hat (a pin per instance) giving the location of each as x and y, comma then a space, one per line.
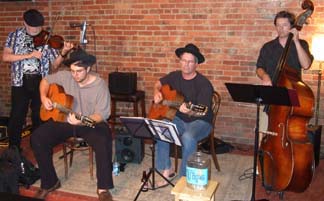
196, 89
91, 98
29, 65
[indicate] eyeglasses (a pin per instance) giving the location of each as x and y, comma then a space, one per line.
77, 71
190, 62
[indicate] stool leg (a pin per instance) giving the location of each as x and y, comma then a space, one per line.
135, 109
65, 161
91, 161
143, 108
71, 156
113, 108
113, 114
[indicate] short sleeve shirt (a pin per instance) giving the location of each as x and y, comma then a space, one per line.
271, 52
93, 98
198, 90
22, 43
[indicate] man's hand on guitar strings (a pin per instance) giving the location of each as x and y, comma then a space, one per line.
158, 97
47, 103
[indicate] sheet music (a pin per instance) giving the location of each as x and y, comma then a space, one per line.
161, 130
167, 131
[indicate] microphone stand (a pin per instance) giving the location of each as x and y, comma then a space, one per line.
83, 32
256, 149
83, 40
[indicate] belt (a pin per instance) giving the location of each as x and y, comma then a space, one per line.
31, 76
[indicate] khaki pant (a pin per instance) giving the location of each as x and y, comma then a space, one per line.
263, 123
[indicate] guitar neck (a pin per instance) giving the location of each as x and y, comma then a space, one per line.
173, 104
176, 105
66, 110
196, 110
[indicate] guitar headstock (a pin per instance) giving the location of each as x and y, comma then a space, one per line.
197, 110
87, 121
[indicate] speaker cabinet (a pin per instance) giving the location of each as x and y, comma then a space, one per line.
128, 149
122, 83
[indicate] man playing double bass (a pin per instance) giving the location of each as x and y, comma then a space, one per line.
285, 155
299, 56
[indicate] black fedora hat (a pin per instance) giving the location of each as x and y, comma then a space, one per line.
193, 49
33, 18
82, 58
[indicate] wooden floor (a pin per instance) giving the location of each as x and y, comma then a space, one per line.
315, 191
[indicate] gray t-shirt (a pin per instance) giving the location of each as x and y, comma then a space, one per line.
93, 98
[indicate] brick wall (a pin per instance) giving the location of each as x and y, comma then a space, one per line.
141, 36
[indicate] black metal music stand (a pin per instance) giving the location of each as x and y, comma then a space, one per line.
259, 94
141, 127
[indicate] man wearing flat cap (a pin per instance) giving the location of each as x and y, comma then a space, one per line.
28, 65
196, 89
91, 99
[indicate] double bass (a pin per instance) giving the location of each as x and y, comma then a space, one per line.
286, 156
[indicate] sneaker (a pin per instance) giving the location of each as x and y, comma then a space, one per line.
105, 196
42, 193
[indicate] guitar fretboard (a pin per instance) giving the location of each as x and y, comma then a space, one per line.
199, 110
86, 120
171, 103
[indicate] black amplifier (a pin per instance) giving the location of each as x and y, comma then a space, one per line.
122, 83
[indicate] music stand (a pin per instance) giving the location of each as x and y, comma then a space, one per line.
260, 94
141, 127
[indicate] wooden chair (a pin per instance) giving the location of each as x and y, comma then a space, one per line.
73, 143
216, 101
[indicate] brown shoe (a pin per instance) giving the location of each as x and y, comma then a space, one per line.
42, 193
105, 196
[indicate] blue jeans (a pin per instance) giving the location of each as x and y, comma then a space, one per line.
190, 133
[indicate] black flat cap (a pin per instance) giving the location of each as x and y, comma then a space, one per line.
33, 18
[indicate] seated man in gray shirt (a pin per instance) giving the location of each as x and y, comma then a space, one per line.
91, 98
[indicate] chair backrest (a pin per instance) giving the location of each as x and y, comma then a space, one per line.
216, 101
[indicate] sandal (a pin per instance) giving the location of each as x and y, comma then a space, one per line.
172, 176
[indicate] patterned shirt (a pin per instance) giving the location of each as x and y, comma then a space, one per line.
22, 43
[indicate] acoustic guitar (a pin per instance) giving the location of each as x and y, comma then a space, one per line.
171, 102
62, 104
